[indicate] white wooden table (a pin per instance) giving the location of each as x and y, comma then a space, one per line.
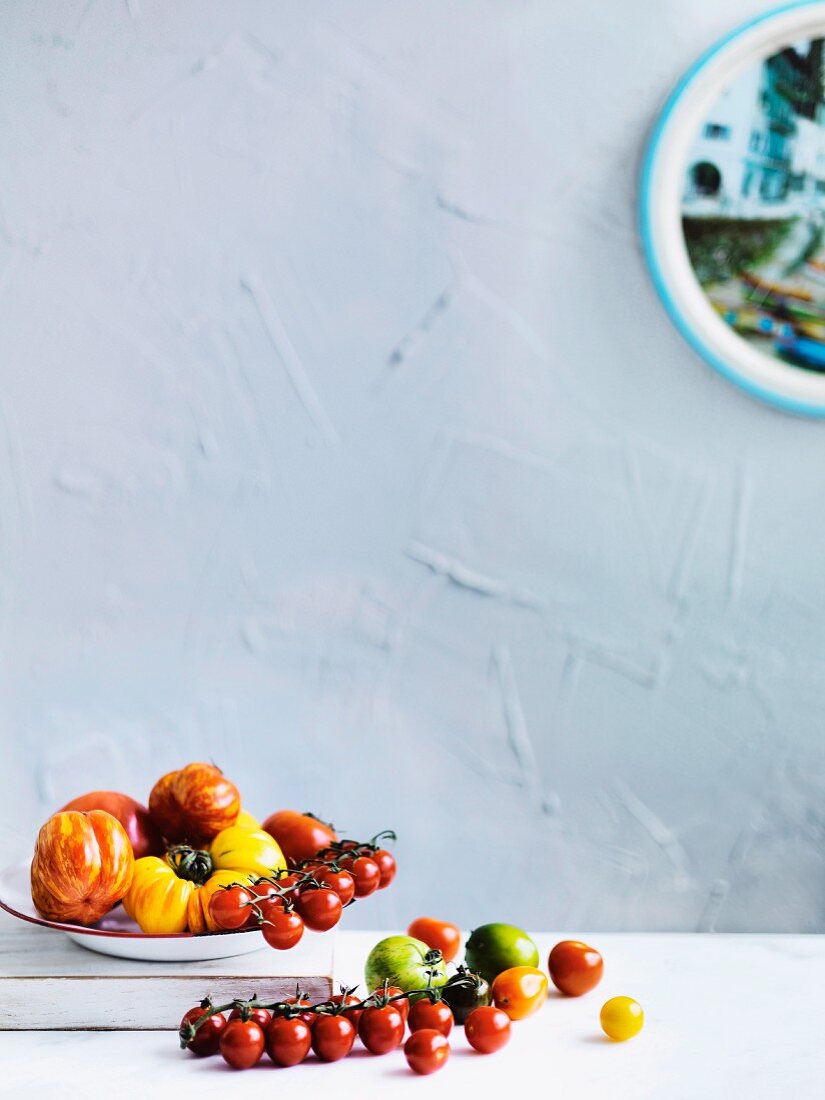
726, 1017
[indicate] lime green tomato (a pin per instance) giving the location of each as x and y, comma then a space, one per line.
404, 962
622, 1018
493, 948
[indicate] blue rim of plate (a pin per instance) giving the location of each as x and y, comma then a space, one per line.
648, 235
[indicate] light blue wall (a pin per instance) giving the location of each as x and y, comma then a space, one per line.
344, 441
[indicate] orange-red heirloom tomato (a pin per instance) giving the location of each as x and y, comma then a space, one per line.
82, 866
194, 804
142, 833
300, 836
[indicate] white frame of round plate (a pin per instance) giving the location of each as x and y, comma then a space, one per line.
787, 387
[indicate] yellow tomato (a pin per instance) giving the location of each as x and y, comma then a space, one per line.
246, 849
520, 991
163, 902
172, 894
247, 820
622, 1018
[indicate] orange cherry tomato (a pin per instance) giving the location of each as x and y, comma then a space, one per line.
83, 865
520, 991
437, 934
194, 804
575, 968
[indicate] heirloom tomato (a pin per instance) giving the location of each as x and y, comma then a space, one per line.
300, 836
83, 865
251, 850
162, 901
193, 804
141, 831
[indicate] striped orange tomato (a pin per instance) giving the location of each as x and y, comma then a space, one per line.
83, 864
193, 804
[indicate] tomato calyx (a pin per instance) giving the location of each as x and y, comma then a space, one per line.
193, 864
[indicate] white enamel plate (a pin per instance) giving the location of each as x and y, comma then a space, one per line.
733, 207
116, 934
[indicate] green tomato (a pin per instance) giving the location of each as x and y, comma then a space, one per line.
404, 961
493, 948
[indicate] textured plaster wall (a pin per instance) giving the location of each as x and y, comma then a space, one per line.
344, 441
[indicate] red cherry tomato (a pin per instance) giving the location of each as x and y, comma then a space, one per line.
229, 908
288, 1041
283, 928
341, 882
381, 1029
301, 1001
332, 1037
261, 1016
352, 1014
386, 865
428, 1016
320, 908
207, 1038
426, 1051
487, 1029
300, 836
242, 1043
402, 1004
575, 968
437, 934
366, 875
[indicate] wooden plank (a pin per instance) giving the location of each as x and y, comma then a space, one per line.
49, 983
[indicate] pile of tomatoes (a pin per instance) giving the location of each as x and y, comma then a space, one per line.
312, 893
243, 1030
287, 1031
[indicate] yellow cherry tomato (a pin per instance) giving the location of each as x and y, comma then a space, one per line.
520, 991
239, 848
622, 1018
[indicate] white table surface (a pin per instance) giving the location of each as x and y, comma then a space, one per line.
727, 1016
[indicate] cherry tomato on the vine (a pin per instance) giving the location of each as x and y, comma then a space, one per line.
288, 1040
352, 1014
386, 866
283, 928
301, 1001
437, 934
341, 882
402, 1004
520, 991
487, 1029
261, 1016
207, 1037
381, 1029
366, 875
229, 908
242, 1043
428, 1016
332, 1037
426, 1051
320, 908
575, 968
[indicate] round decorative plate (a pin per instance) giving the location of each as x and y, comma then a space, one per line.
733, 207
117, 934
